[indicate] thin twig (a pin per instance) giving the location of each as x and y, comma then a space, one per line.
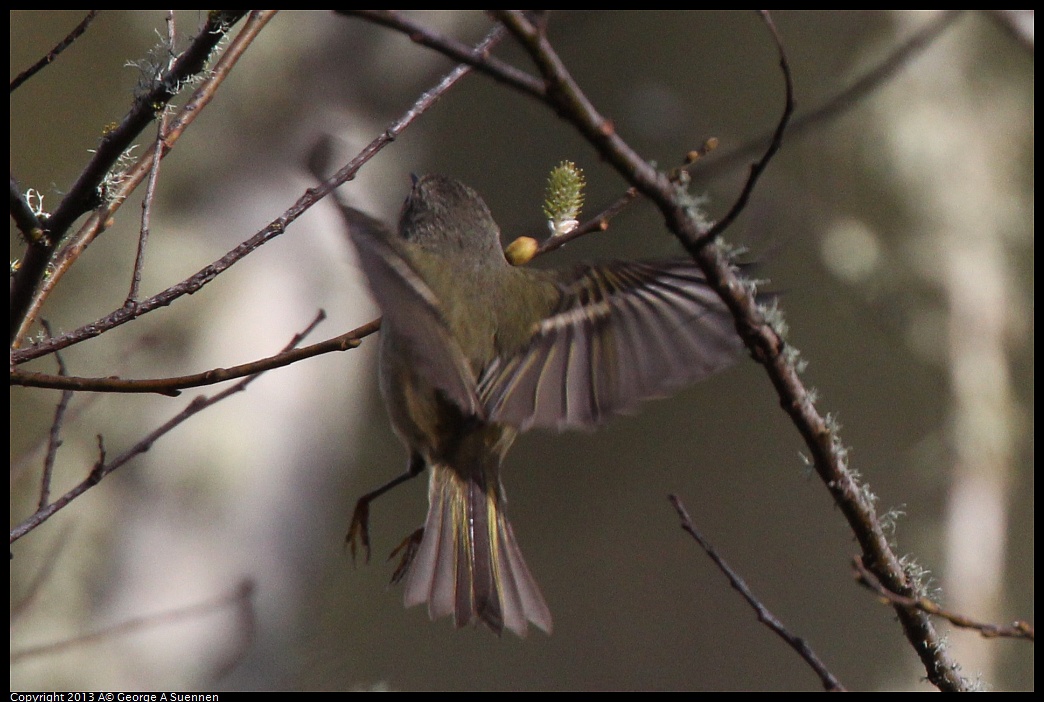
490, 65
173, 386
51, 55
54, 439
1016, 630
146, 214
775, 142
848, 98
150, 187
830, 683
598, 223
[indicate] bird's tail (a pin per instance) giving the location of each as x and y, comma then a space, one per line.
468, 563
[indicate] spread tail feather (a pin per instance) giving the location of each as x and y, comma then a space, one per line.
468, 563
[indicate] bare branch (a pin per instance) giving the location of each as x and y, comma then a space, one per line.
830, 683
861, 88
51, 55
775, 142
1016, 630
150, 188
173, 386
54, 435
419, 34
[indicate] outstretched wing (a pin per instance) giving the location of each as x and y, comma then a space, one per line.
622, 333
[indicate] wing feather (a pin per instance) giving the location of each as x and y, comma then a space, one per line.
622, 333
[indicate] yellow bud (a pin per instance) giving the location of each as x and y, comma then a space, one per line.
521, 251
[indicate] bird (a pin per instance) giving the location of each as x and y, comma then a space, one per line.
474, 351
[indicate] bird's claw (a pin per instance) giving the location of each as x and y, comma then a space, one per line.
408, 548
359, 531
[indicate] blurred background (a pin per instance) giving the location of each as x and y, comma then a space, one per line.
900, 232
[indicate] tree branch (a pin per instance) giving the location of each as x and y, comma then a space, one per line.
490, 65
1016, 630
51, 55
173, 386
829, 681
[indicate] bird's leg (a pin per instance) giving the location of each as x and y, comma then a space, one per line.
359, 531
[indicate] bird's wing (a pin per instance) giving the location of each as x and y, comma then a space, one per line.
622, 333
411, 309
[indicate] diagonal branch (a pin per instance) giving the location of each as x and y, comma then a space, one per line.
51, 55
829, 681
482, 62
